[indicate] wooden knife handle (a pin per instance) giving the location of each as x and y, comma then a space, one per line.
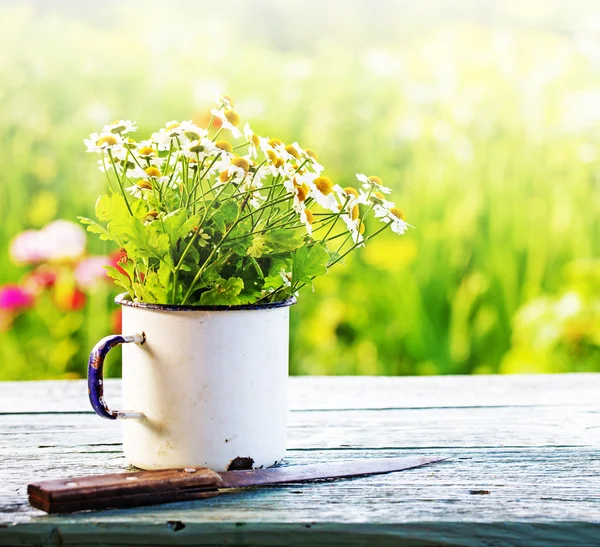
124, 489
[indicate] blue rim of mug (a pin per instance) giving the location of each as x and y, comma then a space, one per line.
123, 300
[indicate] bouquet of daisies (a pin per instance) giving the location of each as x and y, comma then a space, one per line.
216, 216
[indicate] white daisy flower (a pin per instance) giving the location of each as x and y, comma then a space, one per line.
372, 182
224, 101
257, 199
253, 141
120, 127
225, 118
190, 132
324, 192
393, 216
306, 217
145, 150
199, 149
105, 141
163, 138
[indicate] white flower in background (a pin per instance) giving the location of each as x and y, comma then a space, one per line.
372, 182
25, 248
224, 101
229, 119
105, 141
394, 216
120, 127
60, 240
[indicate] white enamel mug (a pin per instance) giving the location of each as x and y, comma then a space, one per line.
203, 386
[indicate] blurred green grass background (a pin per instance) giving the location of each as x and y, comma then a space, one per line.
484, 121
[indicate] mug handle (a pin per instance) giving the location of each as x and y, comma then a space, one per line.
96, 378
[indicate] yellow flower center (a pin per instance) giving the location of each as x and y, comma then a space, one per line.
275, 159
351, 191
147, 151
274, 142
302, 191
361, 228
292, 151
398, 213
232, 117
152, 171
224, 176
312, 153
152, 214
107, 139
355, 212
241, 162
173, 125
255, 140
224, 145
379, 195
324, 185
375, 180
309, 216
145, 184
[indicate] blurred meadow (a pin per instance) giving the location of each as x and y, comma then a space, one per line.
485, 121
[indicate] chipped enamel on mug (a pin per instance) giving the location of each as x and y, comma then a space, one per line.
202, 386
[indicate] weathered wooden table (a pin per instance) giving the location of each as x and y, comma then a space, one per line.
524, 467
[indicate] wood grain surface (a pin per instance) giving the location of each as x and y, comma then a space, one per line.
524, 467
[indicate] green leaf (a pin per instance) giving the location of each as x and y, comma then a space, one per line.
273, 282
95, 228
258, 247
225, 216
151, 290
177, 224
282, 241
277, 241
120, 278
309, 262
223, 292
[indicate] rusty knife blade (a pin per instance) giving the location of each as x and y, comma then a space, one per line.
322, 471
169, 485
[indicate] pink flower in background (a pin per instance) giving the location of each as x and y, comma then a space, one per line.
25, 248
58, 241
13, 297
90, 271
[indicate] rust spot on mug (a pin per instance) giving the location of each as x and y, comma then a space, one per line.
239, 464
95, 361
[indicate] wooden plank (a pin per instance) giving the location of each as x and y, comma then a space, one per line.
520, 474
175, 532
529, 484
334, 392
401, 429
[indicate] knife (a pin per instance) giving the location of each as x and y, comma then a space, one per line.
193, 483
